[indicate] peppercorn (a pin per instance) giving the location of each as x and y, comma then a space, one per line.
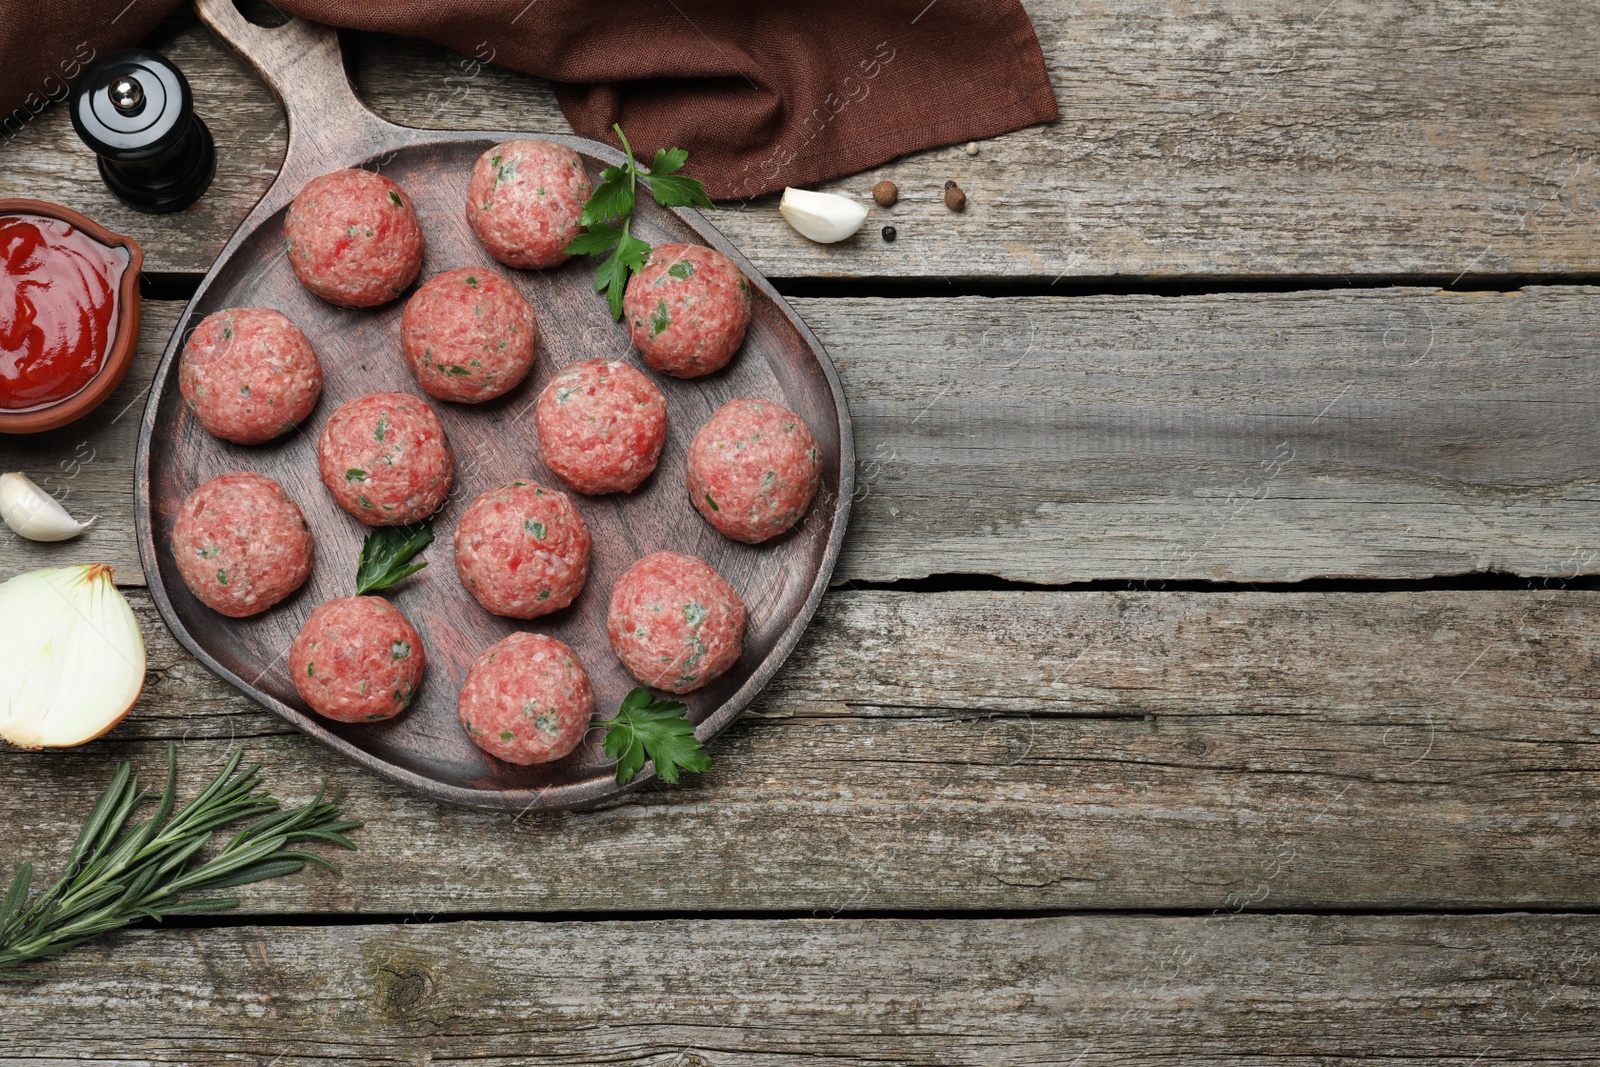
885, 194
890, 233
954, 198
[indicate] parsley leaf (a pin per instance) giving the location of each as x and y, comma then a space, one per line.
612, 200
650, 729
674, 190
667, 161
612, 276
598, 238
386, 556
609, 212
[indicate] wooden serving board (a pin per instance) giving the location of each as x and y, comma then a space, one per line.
425, 748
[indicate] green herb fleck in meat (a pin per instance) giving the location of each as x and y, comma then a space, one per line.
661, 319
222, 576
472, 280
458, 370
712, 502
681, 269
364, 502
244, 390
381, 428
227, 333
535, 527
694, 614
507, 735
400, 649
355, 474
768, 478
544, 594
396, 198
311, 670
562, 394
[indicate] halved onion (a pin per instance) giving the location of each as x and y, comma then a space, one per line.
71, 659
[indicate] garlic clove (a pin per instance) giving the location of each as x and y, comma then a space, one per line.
823, 217
34, 513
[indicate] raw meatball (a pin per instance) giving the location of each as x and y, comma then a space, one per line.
353, 238
386, 459
675, 622
526, 700
357, 659
522, 550
468, 335
601, 426
241, 545
249, 374
753, 469
687, 310
525, 202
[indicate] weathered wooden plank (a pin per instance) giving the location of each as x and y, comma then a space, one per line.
1082, 991
1002, 751
47, 161
1199, 139
1389, 433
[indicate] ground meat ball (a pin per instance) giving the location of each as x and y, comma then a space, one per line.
525, 202
357, 659
353, 238
468, 335
386, 459
675, 622
687, 310
601, 426
249, 374
522, 550
526, 700
753, 469
241, 545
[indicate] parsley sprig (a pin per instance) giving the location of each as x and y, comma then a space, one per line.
650, 729
608, 215
120, 871
386, 556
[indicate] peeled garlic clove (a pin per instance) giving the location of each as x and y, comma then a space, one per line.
34, 513
75, 668
823, 217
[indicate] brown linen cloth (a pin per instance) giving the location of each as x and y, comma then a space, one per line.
762, 93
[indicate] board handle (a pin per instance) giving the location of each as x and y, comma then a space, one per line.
303, 65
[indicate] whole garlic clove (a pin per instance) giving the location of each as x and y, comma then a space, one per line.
34, 513
823, 217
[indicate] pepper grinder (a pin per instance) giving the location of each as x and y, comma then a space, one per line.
134, 109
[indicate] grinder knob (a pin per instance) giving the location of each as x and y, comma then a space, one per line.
134, 109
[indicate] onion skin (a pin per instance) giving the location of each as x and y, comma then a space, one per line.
39, 733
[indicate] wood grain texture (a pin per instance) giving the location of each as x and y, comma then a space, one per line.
1003, 751
1202, 139
1090, 991
1390, 433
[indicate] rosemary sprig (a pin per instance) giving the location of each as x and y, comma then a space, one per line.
120, 873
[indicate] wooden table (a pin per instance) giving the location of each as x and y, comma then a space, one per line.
1213, 668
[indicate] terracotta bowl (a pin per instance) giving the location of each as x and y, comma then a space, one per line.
123, 345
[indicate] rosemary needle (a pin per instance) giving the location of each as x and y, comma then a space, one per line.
120, 872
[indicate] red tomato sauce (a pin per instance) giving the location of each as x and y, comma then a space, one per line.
58, 309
